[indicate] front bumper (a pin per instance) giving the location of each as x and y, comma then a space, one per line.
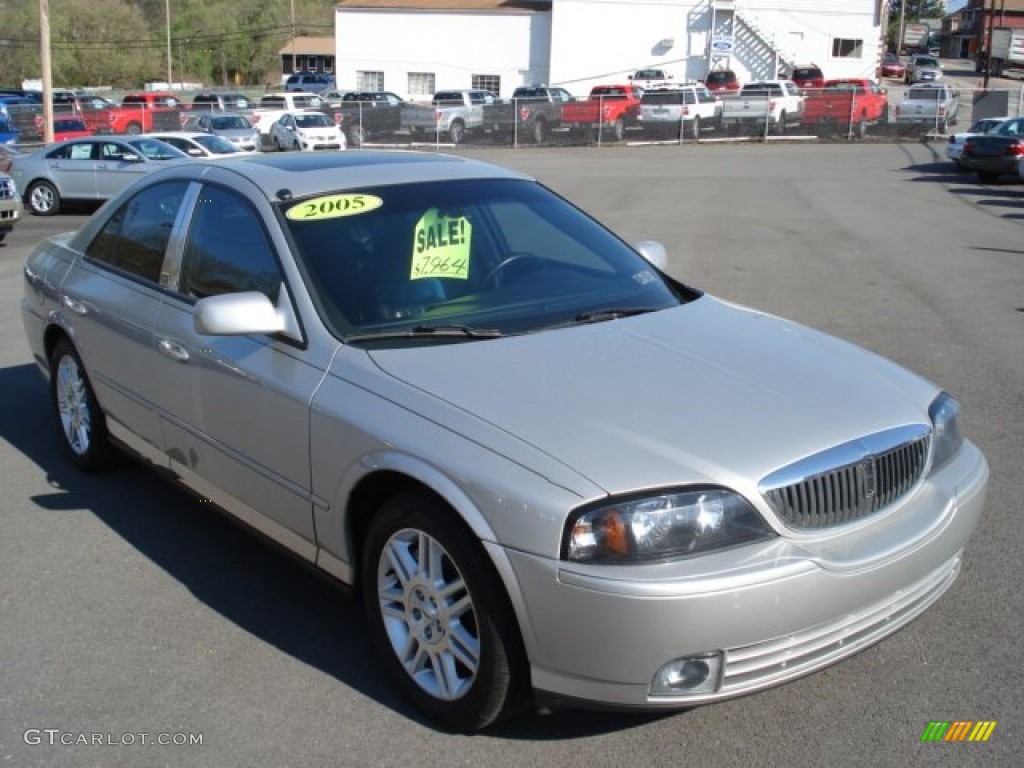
774, 612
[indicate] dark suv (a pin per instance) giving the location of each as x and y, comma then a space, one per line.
309, 81
722, 80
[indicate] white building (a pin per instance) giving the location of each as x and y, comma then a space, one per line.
414, 47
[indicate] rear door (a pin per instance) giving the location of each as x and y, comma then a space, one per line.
73, 169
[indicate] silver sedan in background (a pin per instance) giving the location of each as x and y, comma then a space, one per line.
233, 126
552, 472
87, 169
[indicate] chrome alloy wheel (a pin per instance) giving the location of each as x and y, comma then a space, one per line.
428, 614
73, 405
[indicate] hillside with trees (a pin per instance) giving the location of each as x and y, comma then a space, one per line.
124, 43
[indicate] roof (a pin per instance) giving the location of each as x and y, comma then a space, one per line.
309, 45
448, 5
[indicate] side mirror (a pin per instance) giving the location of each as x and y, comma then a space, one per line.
237, 314
654, 252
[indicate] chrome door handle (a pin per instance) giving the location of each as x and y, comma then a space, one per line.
173, 350
72, 305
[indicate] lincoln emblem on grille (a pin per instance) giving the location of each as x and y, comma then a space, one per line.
866, 477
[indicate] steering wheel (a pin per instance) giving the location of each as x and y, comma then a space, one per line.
513, 258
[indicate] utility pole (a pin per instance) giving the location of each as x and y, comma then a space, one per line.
170, 80
903, 16
988, 45
47, 69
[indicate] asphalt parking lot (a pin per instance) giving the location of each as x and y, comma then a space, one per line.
131, 612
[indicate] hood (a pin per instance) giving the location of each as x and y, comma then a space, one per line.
705, 392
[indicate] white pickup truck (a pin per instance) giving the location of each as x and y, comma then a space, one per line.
927, 107
450, 113
768, 106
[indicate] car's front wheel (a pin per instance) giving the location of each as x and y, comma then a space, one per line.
43, 198
438, 612
83, 428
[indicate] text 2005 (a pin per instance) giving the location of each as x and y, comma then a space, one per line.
333, 206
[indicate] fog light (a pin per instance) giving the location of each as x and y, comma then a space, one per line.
689, 675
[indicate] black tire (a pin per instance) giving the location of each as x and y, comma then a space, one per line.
457, 132
619, 129
133, 128
695, 128
539, 132
860, 130
42, 198
474, 671
80, 422
277, 145
780, 126
356, 136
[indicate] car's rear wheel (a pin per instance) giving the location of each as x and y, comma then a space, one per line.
134, 129
83, 427
438, 612
539, 131
860, 130
43, 198
457, 132
619, 129
356, 135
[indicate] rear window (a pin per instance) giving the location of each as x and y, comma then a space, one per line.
720, 77
668, 97
926, 94
807, 73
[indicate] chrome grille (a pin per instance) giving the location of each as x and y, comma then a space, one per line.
850, 482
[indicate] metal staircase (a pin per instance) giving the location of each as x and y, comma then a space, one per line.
759, 49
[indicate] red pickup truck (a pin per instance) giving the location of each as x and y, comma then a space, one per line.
148, 111
847, 106
611, 107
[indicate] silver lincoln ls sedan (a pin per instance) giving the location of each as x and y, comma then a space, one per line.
554, 473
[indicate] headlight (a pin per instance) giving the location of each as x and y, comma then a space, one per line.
663, 527
947, 438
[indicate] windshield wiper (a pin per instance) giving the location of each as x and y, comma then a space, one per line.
431, 332
600, 315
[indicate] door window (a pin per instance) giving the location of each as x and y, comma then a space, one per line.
227, 249
135, 238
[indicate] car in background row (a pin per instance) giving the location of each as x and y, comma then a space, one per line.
233, 126
955, 145
70, 128
892, 66
86, 170
10, 205
224, 102
996, 153
199, 144
682, 111
922, 69
310, 82
306, 131
722, 80
331, 347
808, 77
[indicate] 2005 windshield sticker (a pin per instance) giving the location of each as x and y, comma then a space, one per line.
333, 206
440, 246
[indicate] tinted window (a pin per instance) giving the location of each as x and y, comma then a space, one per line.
504, 254
135, 237
227, 249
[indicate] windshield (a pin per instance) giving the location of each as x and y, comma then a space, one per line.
155, 149
216, 144
315, 120
493, 255
230, 122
